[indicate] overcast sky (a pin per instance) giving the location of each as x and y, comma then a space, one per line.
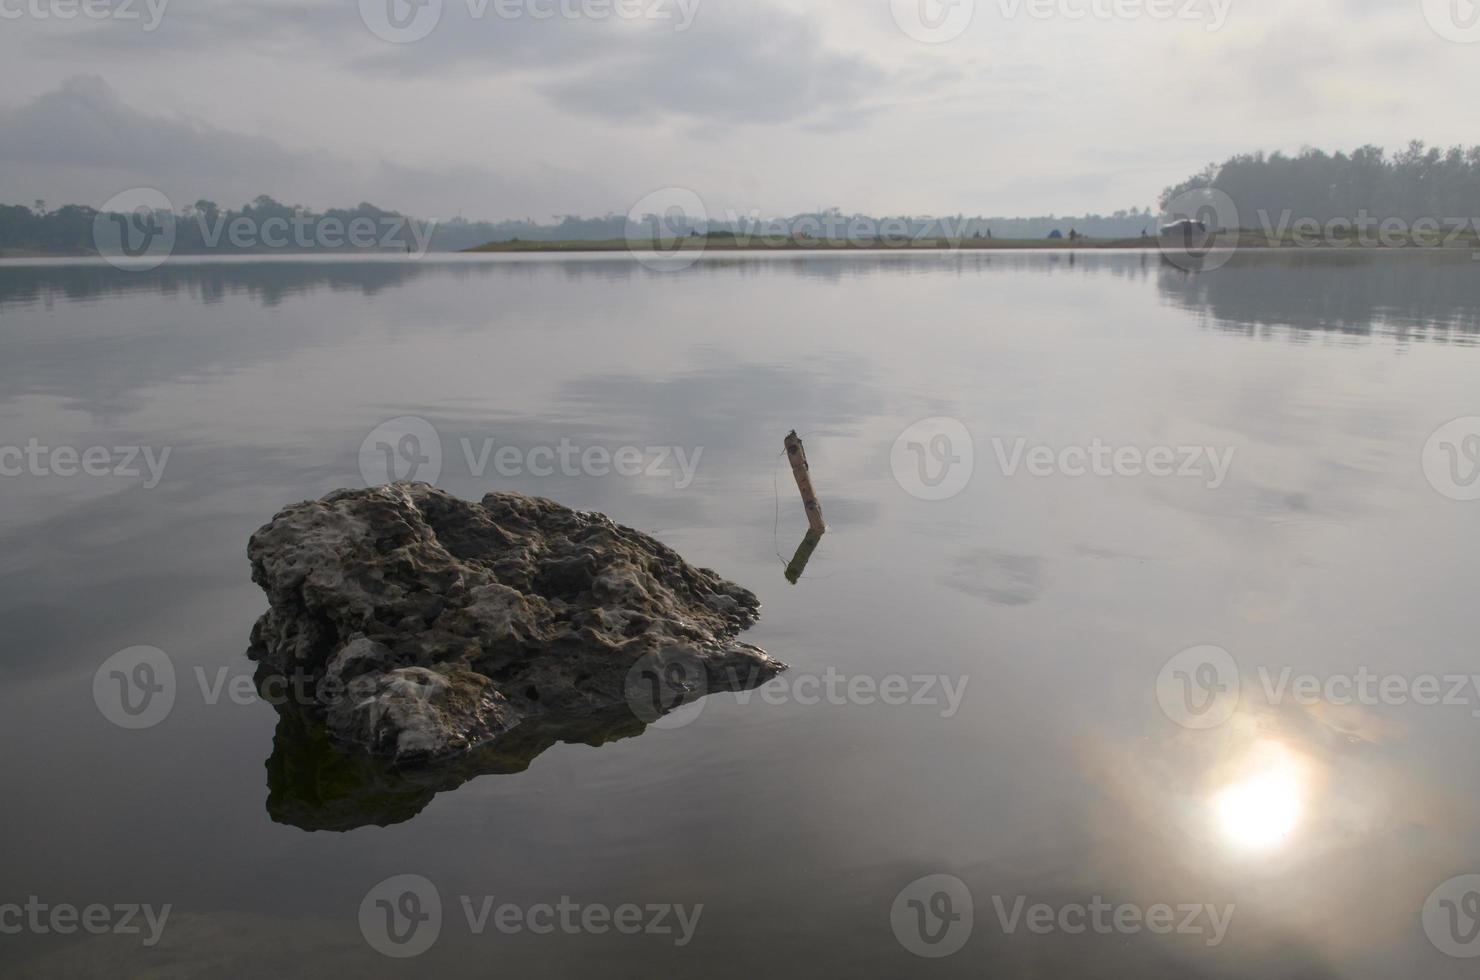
1008, 107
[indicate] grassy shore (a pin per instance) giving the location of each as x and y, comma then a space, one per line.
757, 243
762, 244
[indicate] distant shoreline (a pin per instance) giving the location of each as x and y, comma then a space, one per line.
758, 243
753, 244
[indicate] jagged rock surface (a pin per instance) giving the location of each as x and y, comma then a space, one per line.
423, 625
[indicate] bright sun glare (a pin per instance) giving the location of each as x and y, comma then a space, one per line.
1262, 809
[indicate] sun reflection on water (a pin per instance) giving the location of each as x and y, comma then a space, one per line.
1261, 806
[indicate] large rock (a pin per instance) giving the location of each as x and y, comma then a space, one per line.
420, 626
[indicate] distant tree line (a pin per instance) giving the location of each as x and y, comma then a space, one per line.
1414, 183
200, 228
269, 225
831, 222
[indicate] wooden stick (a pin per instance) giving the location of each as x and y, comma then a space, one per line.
804, 554
802, 472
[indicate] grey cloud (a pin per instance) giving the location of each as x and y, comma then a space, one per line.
82, 143
210, 26
85, 125
736, 65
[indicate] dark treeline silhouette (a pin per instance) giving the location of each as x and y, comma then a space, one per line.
205, 227
202, 227
1416, 182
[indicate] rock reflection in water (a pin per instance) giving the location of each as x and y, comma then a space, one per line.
314, 784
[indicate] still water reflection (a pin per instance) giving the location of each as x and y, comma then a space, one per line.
796, 818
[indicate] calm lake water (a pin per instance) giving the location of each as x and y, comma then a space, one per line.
1305, 784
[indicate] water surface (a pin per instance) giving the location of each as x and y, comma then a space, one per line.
796, 821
